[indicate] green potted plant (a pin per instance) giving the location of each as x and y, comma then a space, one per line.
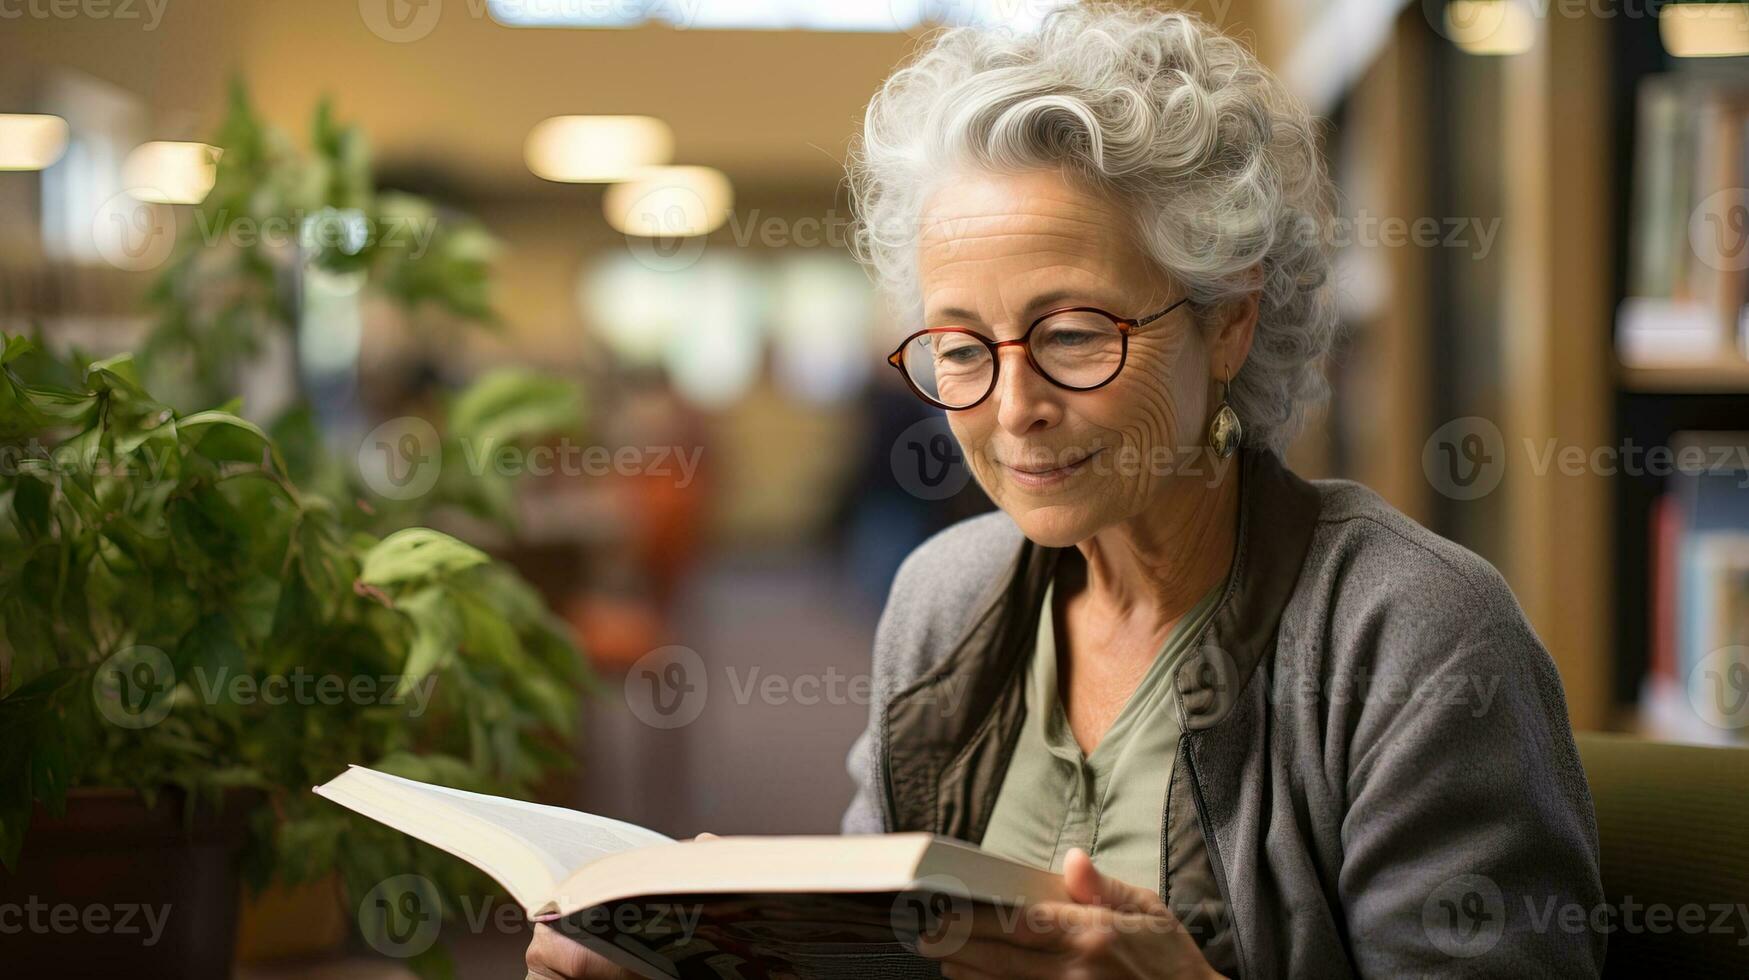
202, 617
179, 616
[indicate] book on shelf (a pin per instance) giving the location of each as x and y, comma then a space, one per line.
1698, 680
826, 906
1688, 257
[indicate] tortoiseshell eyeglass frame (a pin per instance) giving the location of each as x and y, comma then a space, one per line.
1125, 327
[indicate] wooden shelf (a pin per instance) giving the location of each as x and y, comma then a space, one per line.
1701, 377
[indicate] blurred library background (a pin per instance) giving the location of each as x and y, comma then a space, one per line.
617, 233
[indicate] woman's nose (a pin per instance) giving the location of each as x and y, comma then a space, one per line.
1025, 401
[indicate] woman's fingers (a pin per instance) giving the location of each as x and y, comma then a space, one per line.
1042, 926
1090, 887
551, 956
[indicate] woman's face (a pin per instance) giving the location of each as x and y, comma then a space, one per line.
998, 250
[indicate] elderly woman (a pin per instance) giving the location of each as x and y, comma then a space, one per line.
1264, 726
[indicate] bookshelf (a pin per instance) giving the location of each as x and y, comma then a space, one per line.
1516, 334
1549, 140
1678, 399
1685, 378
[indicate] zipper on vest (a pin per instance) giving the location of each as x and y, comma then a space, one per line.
1214, 853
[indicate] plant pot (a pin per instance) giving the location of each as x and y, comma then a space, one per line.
286, 921
116, 888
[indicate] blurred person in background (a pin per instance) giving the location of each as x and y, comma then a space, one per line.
1262, 725
890, 506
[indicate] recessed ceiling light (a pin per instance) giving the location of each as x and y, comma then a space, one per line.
30, 141
670, 202
596, 149
1490, 27
164, 172
1704, 30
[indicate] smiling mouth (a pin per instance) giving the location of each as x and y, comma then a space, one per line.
1043, 477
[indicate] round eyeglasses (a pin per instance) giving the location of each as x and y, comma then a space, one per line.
1079, 348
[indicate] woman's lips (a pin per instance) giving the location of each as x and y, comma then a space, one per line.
1036, 479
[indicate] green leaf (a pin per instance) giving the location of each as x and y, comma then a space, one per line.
28, 628
510, 404
116, 374
210, 659
417, 553
14, 347
30, 506
35, 763
436, 633
221, 435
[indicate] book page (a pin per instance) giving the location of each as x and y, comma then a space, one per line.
566, 839
526, 847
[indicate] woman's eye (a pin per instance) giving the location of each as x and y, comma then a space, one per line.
962, 354
1071, 338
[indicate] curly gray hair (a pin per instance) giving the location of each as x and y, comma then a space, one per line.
1220, 164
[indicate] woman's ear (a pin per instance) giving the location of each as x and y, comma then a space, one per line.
1234, 327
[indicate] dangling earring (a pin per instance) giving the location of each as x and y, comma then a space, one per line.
1225, 431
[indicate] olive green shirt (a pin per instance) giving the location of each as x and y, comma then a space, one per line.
1109, 803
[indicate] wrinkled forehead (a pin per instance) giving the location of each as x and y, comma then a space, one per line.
975, 225
967, 207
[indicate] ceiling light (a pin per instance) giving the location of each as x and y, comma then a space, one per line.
31, 142
586, 149
670, 202
1490, 27
1704, 30
165, 172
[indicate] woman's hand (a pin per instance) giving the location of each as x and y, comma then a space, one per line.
553, 956
1111, 930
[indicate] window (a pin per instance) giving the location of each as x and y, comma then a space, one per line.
772, 15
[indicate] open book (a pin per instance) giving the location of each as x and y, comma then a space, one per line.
743, 907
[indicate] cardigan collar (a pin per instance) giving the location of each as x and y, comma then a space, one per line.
946, 754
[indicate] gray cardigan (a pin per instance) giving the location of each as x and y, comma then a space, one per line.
1377, 776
